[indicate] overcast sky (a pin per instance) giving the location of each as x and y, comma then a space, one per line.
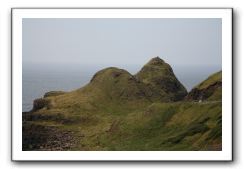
121, 41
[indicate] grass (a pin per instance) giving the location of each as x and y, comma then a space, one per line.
158, 129
116, 111
160, 126
210, 80
159, 76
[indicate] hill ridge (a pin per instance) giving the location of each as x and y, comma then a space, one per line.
124, 112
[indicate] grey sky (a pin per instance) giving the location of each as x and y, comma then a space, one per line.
121, 41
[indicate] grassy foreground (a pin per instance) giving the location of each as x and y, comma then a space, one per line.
159, 126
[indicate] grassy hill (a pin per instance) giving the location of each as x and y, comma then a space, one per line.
119, 111
160, 78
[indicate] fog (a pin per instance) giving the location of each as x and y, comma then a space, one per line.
76, 43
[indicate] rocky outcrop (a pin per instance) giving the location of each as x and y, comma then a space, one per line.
46, 102
203, 94
209, 89
42, 103
47, 138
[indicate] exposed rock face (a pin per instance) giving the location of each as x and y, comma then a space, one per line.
45, 102
209, 89
41, 103
159, 76
203, 94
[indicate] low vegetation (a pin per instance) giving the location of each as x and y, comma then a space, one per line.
119, 111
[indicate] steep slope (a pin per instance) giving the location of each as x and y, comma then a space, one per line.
209, 89
160, 78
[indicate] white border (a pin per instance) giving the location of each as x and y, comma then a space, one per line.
19, 155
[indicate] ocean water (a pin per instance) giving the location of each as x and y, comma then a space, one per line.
36, 82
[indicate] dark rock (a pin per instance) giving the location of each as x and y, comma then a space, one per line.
45, 138
41, 103
203, 94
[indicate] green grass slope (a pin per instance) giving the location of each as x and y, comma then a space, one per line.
159, 76
167, 126
181, 126
119, 111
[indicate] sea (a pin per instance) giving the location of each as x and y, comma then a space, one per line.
37, 81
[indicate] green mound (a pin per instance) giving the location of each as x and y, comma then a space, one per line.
118, 84
160, 77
